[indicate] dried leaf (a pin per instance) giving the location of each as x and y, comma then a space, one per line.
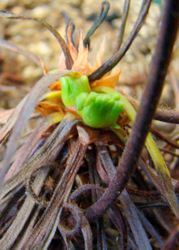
46, 226
23, 215
4, 115
138, 231
87, 233
46, 153
28, 148
23, 113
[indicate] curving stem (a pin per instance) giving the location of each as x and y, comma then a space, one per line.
113, 61
149, 101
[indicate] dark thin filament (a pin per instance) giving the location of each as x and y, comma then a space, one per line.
104, 10
123, 25
113, 61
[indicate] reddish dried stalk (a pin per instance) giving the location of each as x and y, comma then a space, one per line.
150, 99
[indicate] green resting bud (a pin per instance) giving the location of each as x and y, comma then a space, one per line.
72, 87
95, 109
99, 110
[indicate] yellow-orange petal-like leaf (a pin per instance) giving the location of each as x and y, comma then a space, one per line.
55, 85
46, 108
55, 117
107, 81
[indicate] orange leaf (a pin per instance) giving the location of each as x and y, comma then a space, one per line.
107, 81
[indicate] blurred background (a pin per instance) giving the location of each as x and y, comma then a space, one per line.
17, 74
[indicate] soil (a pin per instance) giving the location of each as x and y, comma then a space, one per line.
32, 37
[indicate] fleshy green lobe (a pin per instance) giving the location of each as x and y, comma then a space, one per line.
99, 110
72, 87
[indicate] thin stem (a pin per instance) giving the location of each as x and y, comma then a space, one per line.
169, 152
149, 101
69, 25
113, 61
61, 41
164, 138
14, 48
166, 115
161, 114
104, 10
29, 184
123, 25
172, 240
